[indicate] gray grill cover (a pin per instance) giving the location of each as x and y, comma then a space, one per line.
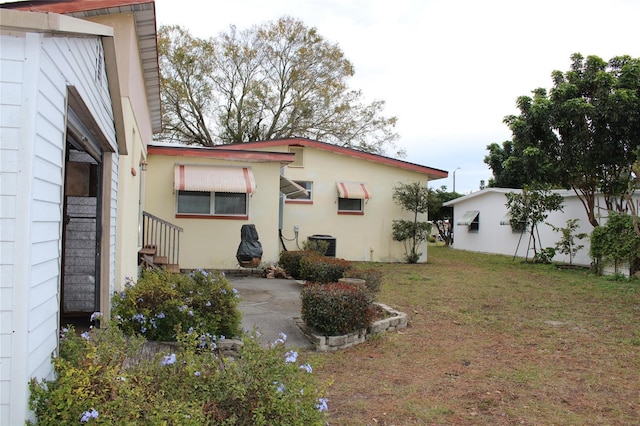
249, 247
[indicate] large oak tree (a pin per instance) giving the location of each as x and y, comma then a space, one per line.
276, 80
582, 134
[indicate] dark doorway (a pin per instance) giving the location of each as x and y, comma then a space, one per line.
81, 226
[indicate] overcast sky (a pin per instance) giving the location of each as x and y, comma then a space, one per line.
449, 70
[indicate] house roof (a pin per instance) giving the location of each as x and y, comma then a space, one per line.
145, 17
375, 158
491, 190
222, 154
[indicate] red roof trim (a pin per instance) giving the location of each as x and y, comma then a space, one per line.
433, 173
224, 154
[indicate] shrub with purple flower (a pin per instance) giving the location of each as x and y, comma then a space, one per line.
178, 387
162, 302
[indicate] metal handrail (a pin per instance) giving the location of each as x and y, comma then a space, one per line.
163, 235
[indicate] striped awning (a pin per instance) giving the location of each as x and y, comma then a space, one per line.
357, 190
292, 189
203, 178
468, 218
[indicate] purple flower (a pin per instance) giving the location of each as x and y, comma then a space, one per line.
291, 356
88, 415
280, 340
138, 317
169, 359
322, 404
279, 387
307, 368
143, 329
85, 335
160, 315
197, 374
207, 304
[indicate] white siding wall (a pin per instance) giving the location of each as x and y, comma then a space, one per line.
35, 70
11, 87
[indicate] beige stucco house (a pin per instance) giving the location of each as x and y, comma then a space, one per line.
335, 193
79, 94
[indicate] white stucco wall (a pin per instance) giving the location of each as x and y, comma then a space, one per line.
35, 69
495, 238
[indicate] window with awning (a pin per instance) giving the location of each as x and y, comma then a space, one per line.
293, 190
205, 178
213, 191
515, 227
468, 217
471, 219
354, 190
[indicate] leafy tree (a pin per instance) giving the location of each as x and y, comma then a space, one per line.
616, 243
503, 176
276, 80
567, 244
414, 198
529, 208
580, 135
440, 215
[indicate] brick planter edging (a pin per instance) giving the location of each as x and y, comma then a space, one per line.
395, 320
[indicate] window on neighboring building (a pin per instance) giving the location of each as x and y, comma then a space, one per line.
352, 196
350, 205
308, 185
471, 219
212, 203
475, 225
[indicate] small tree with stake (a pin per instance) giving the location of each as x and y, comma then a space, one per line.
414, 198
568, 244
530, 207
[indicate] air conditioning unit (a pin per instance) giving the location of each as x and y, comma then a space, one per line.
331, 250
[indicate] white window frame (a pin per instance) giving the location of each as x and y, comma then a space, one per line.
306, 184
359, 211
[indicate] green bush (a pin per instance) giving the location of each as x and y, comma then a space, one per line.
162, 301
371, 276
317, 246
336, 308
102, 379
321, 269
290, 262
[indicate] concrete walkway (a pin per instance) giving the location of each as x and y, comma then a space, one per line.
270, 306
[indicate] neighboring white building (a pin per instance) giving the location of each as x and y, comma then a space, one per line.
481, 224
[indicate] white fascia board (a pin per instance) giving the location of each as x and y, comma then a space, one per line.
18, 20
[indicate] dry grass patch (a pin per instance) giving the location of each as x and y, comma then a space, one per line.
494, 342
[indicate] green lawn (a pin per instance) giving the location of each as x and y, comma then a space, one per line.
493, 341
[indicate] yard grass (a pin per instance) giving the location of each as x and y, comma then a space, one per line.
492, 341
